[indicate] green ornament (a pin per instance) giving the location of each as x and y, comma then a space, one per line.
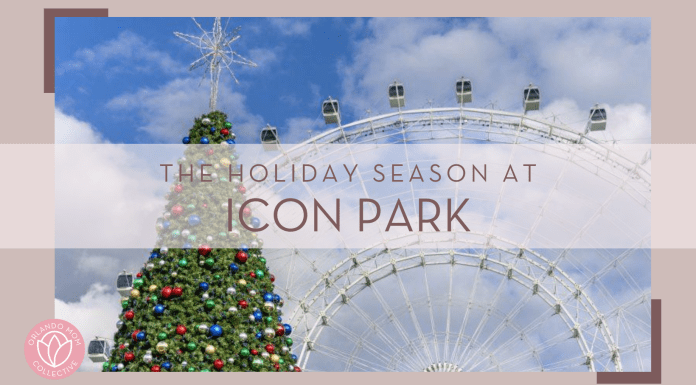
176, 233
192, 238
205, 370
209, 262
288, 341
209, 304
234, 223
217, 276
232, 157
281, 361
191, 207
183, 262
222, 234
223, 179
244, 352
259, 274
191, 346
124, 304
269, 320
153, 298
137, 283
162, 336
263, 260
257, 363
105, 366
228, 125
191, 369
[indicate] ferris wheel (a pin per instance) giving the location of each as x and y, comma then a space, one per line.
479, 302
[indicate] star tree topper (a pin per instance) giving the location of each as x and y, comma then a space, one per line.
216, 53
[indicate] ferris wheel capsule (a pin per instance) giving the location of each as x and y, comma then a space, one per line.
98, 350
269, 138
396, 95
124, 283
463, 89
598, 118
532, 98
329, 108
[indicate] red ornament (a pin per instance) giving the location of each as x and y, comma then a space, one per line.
135, 335
204, 250
270, 349
139, 275
280, 330
242, 256
254, 352
166, 292
276, 366
246, 212
177, 291
181, 330
205, 205
242, 190
272, 278
297, 369
225, 131
210, 151
129, 315
218, 364
122, 346
129, 356
178, 188
252, 274
155, 368
243, 304
177, 210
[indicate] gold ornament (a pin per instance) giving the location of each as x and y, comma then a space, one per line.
135, 293
153, 288
275, 358
242, 282
210, 349
225, 162
162, 347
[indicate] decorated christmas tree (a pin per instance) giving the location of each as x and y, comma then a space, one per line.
194, 307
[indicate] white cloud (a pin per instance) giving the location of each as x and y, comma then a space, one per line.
127, 52
167, 112
70, 130
95, 314
587, 61
291, 26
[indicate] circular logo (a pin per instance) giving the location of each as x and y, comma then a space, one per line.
54, 349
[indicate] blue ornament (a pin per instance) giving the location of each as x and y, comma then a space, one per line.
231, 142
268, 297
212, 130
154, 255
280, 319
194, 220
294, 357
204, 140
288, 329
244, 247
234, 267
186, 140
166, 224
159, 309
255, 222
216, 330
259, 336
140, 336
258, 316
166, 365
203, 286
276, 298
200, 162
187, 245
114, 368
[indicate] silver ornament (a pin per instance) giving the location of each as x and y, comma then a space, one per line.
225, 205
230, 360
231, 291
269, 333
237, 206
166, 216
232, 309
150, 266
285, 349
265, 355
205, 121
205, 296
254, 245
184, 363
147, 358
209, 238
233, 136
164, 250
268, 307
243, 336
214, 175
186, 233
252, 292
120, 366
174, 274
119, 324
235, 181
251, 318
203, 328
162, 262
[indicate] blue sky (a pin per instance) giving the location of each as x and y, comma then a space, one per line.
128, 78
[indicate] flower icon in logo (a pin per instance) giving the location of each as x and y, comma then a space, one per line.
54, 348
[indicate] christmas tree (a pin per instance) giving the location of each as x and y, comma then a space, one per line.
197, 308
201, 308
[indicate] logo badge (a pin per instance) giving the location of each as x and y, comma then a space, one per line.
54, 349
